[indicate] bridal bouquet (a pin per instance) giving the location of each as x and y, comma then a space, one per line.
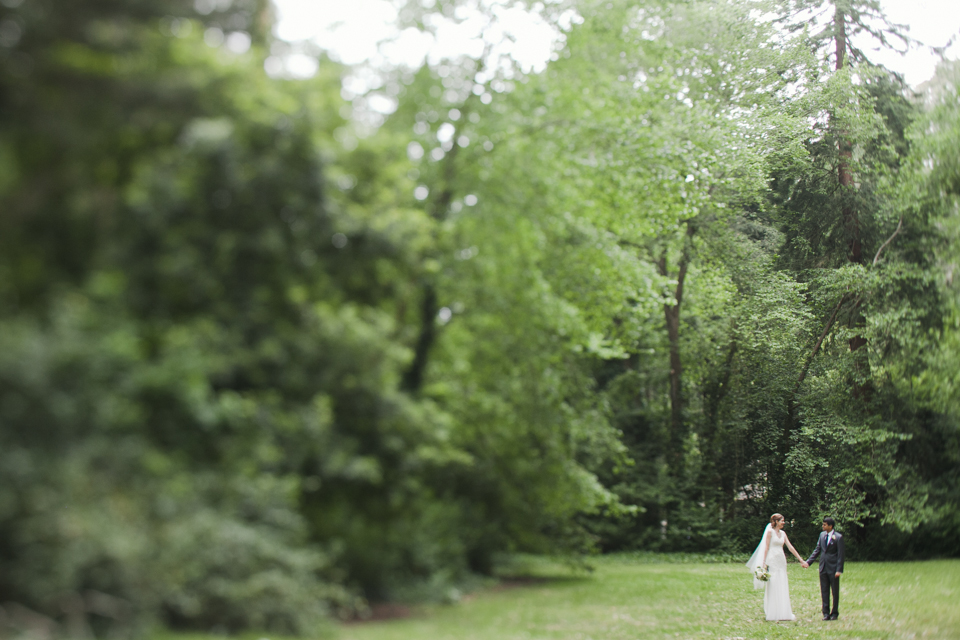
761, 574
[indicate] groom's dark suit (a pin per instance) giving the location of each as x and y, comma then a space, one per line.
830, 552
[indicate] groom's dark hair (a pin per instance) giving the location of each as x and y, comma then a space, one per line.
830, 521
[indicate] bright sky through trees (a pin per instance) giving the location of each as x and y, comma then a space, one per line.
351, 31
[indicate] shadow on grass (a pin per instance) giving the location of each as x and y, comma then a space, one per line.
659, 557
530, 568
385, 611
510, 572
520, 582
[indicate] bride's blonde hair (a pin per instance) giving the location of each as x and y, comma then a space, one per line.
775, 518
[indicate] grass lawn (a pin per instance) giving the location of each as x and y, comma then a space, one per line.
639, 597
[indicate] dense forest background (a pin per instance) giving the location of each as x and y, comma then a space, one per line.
265, 358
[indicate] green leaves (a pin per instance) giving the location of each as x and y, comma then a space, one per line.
281, 362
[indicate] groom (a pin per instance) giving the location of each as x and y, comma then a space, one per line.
830, 550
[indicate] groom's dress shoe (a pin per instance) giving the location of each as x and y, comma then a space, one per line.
834, 616
826, 617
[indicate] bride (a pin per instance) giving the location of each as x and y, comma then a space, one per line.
769, 554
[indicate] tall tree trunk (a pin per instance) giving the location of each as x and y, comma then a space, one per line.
671, 313
851, 221
715, 392
840, 35
413, 376
851, 218
672, 316
712, 476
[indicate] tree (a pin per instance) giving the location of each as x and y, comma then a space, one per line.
867, 263
219, 334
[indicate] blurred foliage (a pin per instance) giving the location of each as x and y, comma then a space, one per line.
262, 363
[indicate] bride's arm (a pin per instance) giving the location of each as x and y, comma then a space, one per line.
786, 541
766, 549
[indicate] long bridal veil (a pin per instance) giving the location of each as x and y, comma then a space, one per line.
755, 559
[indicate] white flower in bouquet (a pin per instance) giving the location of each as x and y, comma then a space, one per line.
761, 574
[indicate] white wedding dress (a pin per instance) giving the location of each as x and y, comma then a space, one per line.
776, 596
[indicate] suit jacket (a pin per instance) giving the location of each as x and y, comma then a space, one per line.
831, 554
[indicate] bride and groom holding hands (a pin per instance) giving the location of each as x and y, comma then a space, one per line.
769, 564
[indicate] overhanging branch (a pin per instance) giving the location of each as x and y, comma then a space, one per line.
876, 258
816, 347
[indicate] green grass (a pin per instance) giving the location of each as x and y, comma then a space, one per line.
646, 596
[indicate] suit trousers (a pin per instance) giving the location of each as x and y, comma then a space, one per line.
829, 582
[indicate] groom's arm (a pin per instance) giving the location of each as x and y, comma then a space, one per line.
816, 552
839, 555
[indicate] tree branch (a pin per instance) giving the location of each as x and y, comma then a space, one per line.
876, 258
816, 347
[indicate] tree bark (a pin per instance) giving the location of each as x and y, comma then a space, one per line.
712, 472
671, 313
413, 377
851, 220
715, 393
840, 35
